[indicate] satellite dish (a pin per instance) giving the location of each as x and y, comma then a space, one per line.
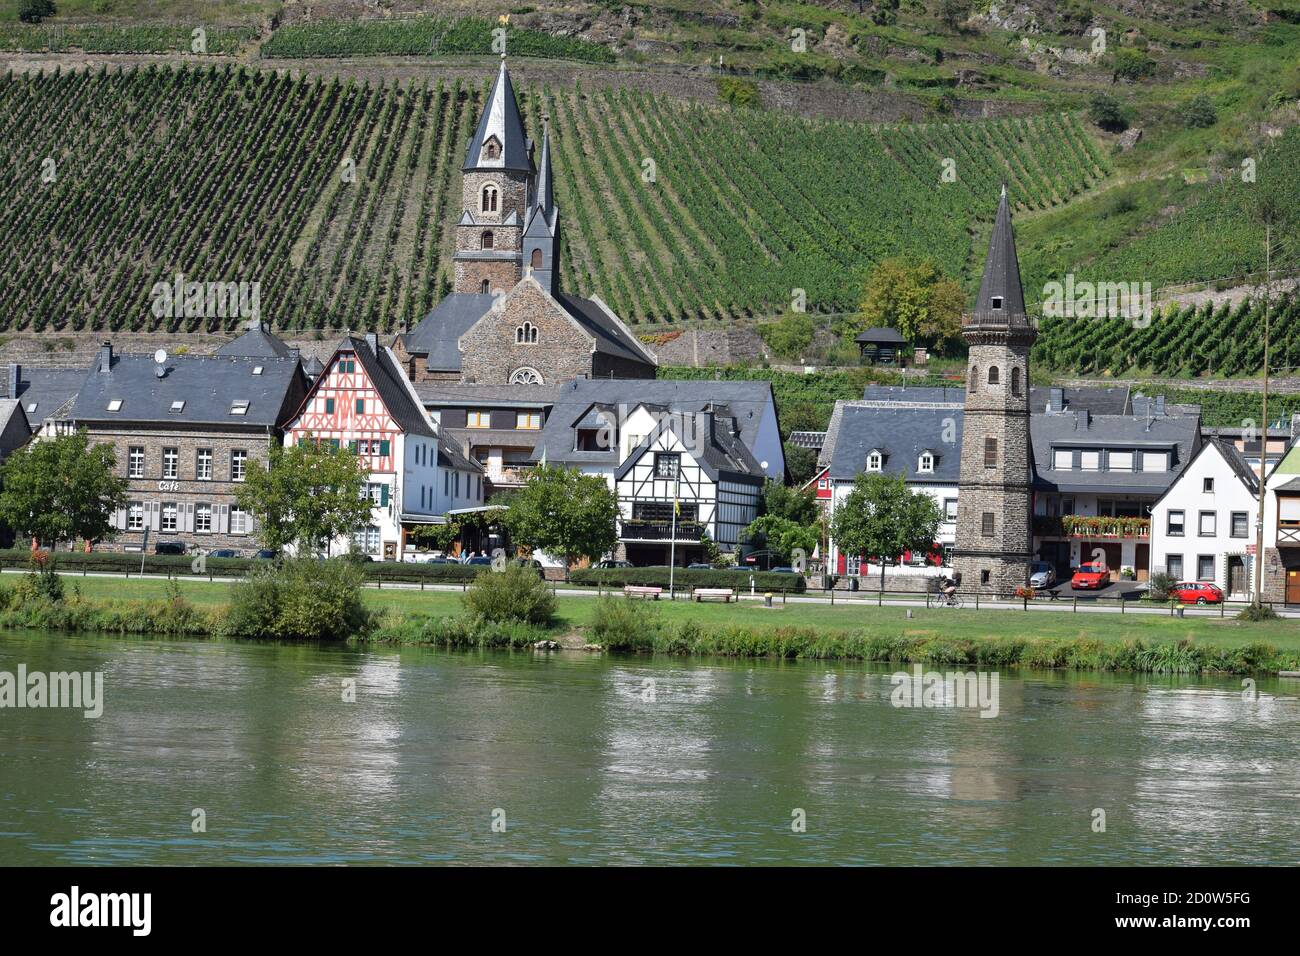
160, 356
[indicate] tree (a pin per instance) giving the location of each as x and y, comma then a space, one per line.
306, 495
1128, 63
565, 513
788, 336
1104, 110
782, 537
1199, 113
916, 298
34, 11
793, 504
61, 489
881, 517
801, 463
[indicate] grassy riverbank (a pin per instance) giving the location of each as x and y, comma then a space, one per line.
1148, 643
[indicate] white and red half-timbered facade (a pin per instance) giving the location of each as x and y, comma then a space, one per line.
363, 402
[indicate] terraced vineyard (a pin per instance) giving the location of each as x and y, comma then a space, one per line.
1221, 341
120, 180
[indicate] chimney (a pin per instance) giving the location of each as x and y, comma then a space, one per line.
15, 376
372, 340
1160, 406
106, 357
1056, 400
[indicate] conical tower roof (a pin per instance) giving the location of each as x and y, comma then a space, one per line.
1001, 269
501, 120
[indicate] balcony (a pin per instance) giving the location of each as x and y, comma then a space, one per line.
510, 475
641, 530
1092, 526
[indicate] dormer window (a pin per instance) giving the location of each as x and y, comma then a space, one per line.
875, 459
997, 303
492, 148
490, 193
925, 464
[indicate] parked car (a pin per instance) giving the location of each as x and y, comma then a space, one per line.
169, 547
479, 562
266, 554
1042, 575
440, 561
223, 553
1196, 592
783, 571
1090, 577
699, 566
534, 564
608, 565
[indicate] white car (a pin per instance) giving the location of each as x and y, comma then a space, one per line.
1042, 575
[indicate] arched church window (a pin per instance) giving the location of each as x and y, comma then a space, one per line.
993, 375
489, 198
526, 376
483, 287
1015, 382
537, 259
487, 240
526, 334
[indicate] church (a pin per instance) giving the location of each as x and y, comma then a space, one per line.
507, 321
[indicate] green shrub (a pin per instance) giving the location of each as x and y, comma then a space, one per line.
1257, 612
789, 336
300, 599
623, 624
735, 91
1159, 586
1104, 110
458, 631
1199, 113
516, 593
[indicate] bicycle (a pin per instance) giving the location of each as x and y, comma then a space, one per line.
954, 600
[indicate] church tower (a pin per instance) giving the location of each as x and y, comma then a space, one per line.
496, 195
542, 234
995, 502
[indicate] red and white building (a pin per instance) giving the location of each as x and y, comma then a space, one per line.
362, 401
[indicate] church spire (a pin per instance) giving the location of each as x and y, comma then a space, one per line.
499, 141
1000, 290
545, 199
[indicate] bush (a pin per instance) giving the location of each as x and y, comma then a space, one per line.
687, 578
1159, 586
1104, 110
41, 583
735, 91
34, 11
300, 599
1199, 113
1132, 64
789, 336
514, 594
1257, 612
622, 624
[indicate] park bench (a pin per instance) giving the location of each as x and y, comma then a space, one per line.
726, 594
646, 593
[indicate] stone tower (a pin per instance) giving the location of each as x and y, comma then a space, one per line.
496, 195
995, 503
542, 234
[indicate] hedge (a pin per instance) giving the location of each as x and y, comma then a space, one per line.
688, 578
183, 565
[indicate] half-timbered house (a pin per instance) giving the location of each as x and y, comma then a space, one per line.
363, 402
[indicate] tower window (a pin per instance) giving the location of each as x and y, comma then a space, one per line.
489, 203
492, 148
986, 523
997, 302
990, 452
1015, 382
993, 375
483, 287
537, 259
974, 379
487, 240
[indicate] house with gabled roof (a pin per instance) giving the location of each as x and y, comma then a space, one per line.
363, 402
507, 321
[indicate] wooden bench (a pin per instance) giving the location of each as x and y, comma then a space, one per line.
699, 594
634, 590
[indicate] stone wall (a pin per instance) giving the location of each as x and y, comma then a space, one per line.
490, 354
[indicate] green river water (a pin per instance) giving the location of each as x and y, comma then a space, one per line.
584, 761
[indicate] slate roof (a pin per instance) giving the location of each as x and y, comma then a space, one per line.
51, 390
500, 119
1178, 433
1234, 458
927, 394
813, 440
257, 342
1001, 268
391, 384
881, 337
746, 401
1099, 401
902, 433
12, 414
440, 394
438, 334
723, 452
207, 384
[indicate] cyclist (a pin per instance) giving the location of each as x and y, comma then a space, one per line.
948, 586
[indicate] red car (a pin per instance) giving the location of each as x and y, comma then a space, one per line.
1090, 577
1196, 592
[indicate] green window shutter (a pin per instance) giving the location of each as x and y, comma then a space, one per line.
383, 496
361, 406
352, 447
329, 406
334, 443
383, 449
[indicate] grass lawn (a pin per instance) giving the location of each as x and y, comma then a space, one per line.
575, 613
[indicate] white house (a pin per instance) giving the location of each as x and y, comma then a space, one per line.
362, 401
1203, 526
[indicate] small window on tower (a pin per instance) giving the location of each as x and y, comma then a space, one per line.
537, 259
487, 240
993, 375
489, 203
483, 287
997, 302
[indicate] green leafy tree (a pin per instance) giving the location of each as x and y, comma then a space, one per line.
1199, 113
916, 298
61, 489
1104, 110
782, 537
881, 517
952, 13
1129, 63
34, 11
789, 336
565, 513
801, 463
793, 504
306, 495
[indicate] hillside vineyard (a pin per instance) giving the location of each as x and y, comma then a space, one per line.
340, 199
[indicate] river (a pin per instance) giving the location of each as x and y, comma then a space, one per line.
495, 757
